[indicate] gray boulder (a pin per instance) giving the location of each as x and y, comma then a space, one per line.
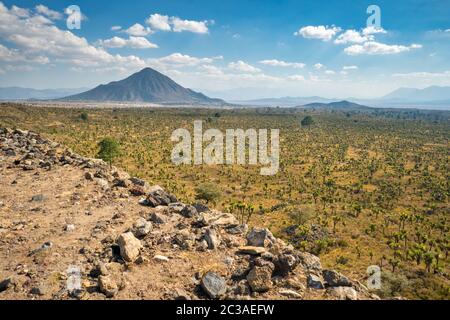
259, 237
213, 285
315, 281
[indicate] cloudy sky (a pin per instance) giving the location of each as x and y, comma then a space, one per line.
235, 49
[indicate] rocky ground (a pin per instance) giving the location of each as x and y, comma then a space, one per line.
73, 228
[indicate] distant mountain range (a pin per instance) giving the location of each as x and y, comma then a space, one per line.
339, 105
433, 93
151, 86
18, 93
147, 85
429, 98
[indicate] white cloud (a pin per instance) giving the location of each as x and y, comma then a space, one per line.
14, 55
373, 30
423, 75
318, 66
323, 33
280, 63
376, 48
350, 67
330, 72
132, 42
20, 12
116, 28
180, 25
40, 41
181, 60
296, 77
138, 30
352, 36
241, 66
54, 15
159, 22
343, 72
211, 70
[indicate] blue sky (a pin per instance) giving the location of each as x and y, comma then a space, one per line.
231, 49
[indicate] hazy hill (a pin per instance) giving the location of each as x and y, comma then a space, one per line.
339, 105
19, 93
147, 85
433, 93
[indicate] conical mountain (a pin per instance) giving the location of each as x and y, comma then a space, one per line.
147, 85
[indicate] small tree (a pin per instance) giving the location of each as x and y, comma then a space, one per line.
109, 150
84, 116
307, 121
208, 192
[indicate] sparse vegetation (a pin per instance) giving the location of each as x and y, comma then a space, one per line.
362, 188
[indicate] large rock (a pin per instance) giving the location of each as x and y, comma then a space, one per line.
343, 293
216, 218
285, 264
254, 251
129, 246
260, 278
310, 261
259, 237
314, 281
141, 227
335, 279
159, 197
213, 285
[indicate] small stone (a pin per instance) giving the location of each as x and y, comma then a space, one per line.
141, 228
189, 212
38, 198
6, 284
161, 258
255, 251
40, 290
201, 208
180, 294
335, 279
240, 229
315, 281
260, 279
213, 285
89, 176
158, 218
129, 246
103, 183
69, 228
99, 270
242, 288
108, 286
290, 294
137, 181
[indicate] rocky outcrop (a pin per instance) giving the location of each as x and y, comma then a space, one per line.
150, 236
